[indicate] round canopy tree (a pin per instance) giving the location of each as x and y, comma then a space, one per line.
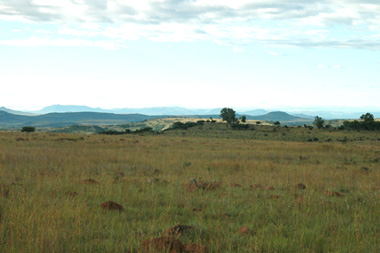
229, 115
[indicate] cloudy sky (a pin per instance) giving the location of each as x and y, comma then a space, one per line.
190, 53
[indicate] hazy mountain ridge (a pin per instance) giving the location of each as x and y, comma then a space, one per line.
146, 111
4, 109
181, 111
71, 118
97, 118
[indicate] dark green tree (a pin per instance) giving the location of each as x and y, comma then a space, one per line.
277, 123
28, 129
229, 115
319, 122
369, 121
368, 118
243, 119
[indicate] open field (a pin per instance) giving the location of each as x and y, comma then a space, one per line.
244, 178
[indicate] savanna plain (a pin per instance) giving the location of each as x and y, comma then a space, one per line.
267, 189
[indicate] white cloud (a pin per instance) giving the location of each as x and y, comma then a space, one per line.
238, 50
38, 41
295, 23
273, 53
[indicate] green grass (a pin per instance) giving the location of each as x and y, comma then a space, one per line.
40, 168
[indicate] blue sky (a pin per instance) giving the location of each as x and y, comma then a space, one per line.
196, 53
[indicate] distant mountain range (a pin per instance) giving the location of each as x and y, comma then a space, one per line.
146, 111
63, 119
64, 115
16, 112
70, 118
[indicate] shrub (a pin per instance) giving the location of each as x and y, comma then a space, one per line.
28, 129
240, 126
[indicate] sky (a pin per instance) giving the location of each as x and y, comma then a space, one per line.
190, 53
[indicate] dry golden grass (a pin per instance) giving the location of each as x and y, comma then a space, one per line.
147, 176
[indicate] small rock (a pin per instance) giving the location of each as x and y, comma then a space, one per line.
110, 205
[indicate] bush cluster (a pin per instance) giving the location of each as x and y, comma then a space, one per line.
367, 123
127, 131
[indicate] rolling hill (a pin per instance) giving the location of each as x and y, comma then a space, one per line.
275, 116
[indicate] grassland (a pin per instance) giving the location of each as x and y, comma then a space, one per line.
254, 172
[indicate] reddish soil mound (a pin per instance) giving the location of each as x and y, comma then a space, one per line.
178, 230
300, 186
119, 175
195, 248
72, 194
226, 216
256, 186
157, 172
162, 244
364, 170
244, 230
88, 181
334, 194
299, 199
207, 186
191, 187
4, 190
110, 205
